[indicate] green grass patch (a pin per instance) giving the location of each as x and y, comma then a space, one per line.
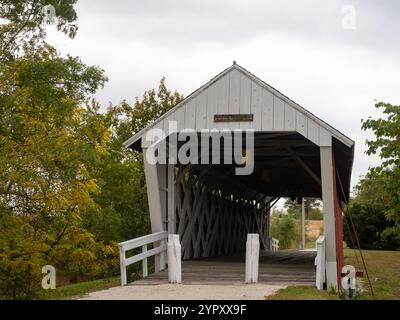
78, 290
384, 272
302, 293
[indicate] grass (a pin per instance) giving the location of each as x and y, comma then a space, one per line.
78, 290
384, 272
302, 293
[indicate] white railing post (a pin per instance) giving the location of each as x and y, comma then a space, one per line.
274, 244
145, 270
320, 263
162, 257
158, 251
174, 259
124, 280
252, 257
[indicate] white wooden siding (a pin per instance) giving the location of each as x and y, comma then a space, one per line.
257, 105
245, 99
290, 118
267, 120
201, 110
211, 106
301, 123
279, 114
237, 93
234, 92
313, 131
171, 117
222, 99
180, 117
190, 114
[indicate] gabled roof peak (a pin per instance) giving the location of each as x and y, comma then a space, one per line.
335, 133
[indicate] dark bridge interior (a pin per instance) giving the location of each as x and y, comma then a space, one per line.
286, 164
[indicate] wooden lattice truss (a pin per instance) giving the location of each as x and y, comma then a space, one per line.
212, 222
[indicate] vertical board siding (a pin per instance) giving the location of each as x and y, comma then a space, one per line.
211, 105
313, 131
290, 118
201, 110
301, 124
166, 122
190, 114
256, 104
325, 138
180, 117
245, 100
267, 105
236, 93
279, 114
222, 96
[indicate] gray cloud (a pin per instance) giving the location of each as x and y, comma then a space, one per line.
299, 47
182, 23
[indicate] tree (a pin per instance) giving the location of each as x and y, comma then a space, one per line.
123, 196
386, 144
68, 188
312, 206
48, 147
23, 26
368, 215
286, 229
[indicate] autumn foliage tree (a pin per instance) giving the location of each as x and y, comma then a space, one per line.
68, 189
48, 143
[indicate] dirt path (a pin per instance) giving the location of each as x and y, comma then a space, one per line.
189, 292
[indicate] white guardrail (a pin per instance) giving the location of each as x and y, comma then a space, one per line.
142, 242
320, 263
274, 244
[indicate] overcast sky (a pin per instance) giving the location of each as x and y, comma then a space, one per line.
313, 51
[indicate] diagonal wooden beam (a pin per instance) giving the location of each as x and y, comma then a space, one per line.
273, 200
304, 166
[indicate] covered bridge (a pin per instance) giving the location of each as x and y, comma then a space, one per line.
213, 207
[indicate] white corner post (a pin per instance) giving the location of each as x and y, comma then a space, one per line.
320, 263
252, 257
171, 199
174, 259
267, 226
329, 216
124, 279
156, 176
303, 224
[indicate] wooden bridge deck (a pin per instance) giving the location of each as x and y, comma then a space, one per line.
281, 268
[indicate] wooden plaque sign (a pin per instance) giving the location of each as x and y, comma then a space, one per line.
233, 117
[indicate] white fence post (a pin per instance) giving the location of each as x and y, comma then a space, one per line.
158, 251
162, 256
145, 270
174, 259
274, 244
252, 256
320, 263
124, 280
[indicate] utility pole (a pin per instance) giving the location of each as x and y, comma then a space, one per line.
303, 227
